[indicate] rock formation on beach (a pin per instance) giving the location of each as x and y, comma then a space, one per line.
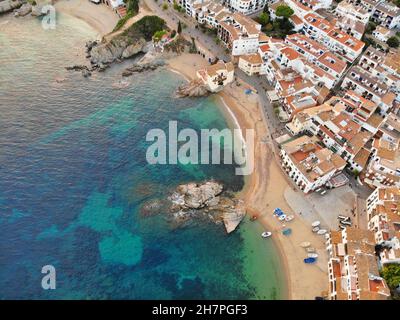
194, 88
127, 44
9, 5
207, 199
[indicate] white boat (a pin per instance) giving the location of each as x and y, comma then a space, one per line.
315, 224
305, 244
282, 217
316, 229
310, 250
289, 218
266, 234
312, 255
322, 231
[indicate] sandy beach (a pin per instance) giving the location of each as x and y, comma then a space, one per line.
99, 17
265, 187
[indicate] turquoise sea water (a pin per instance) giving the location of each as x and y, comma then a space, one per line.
74, 179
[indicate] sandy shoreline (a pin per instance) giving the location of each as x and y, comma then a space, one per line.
264, 188
100, 17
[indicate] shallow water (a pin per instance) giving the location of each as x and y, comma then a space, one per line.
73, 179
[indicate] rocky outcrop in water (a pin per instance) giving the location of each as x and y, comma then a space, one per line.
206, 200
125, 45
119, 48
195, 196
9, 5
194, 88
139, 67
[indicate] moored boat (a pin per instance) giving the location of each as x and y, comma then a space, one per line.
266, 234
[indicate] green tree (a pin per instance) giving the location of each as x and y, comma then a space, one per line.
264, 18
393, 42
284, 11
391, 273
179, 27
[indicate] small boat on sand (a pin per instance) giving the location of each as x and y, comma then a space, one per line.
310, 250
289, 218
253, 218
313, 255
282, 217
305, 244
309, 260
315, 224
316, 229
287, 231
322, 231
266, 234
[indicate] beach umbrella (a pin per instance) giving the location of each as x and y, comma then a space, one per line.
305, 244
316, 224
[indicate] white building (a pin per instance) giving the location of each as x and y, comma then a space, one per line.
308, 164
240, 34
387, 15
352, 266
217, 76
336, 40
245, 6
384, 221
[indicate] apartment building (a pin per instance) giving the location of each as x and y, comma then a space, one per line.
352, 266
382, 33
317, 54
308, 164
384, 167
246, 7
336, 40
352, 12
370, 87
385, 197
207, 13
240, 34
384, 221
252, 64
387, 15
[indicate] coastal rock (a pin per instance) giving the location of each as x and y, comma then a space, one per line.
233, 216
86, 73
131, 41
142, 67
116, 49
196, 196
24, 10
206, 201
37, 11
9, 5
134, 49
194, 88
77, 68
